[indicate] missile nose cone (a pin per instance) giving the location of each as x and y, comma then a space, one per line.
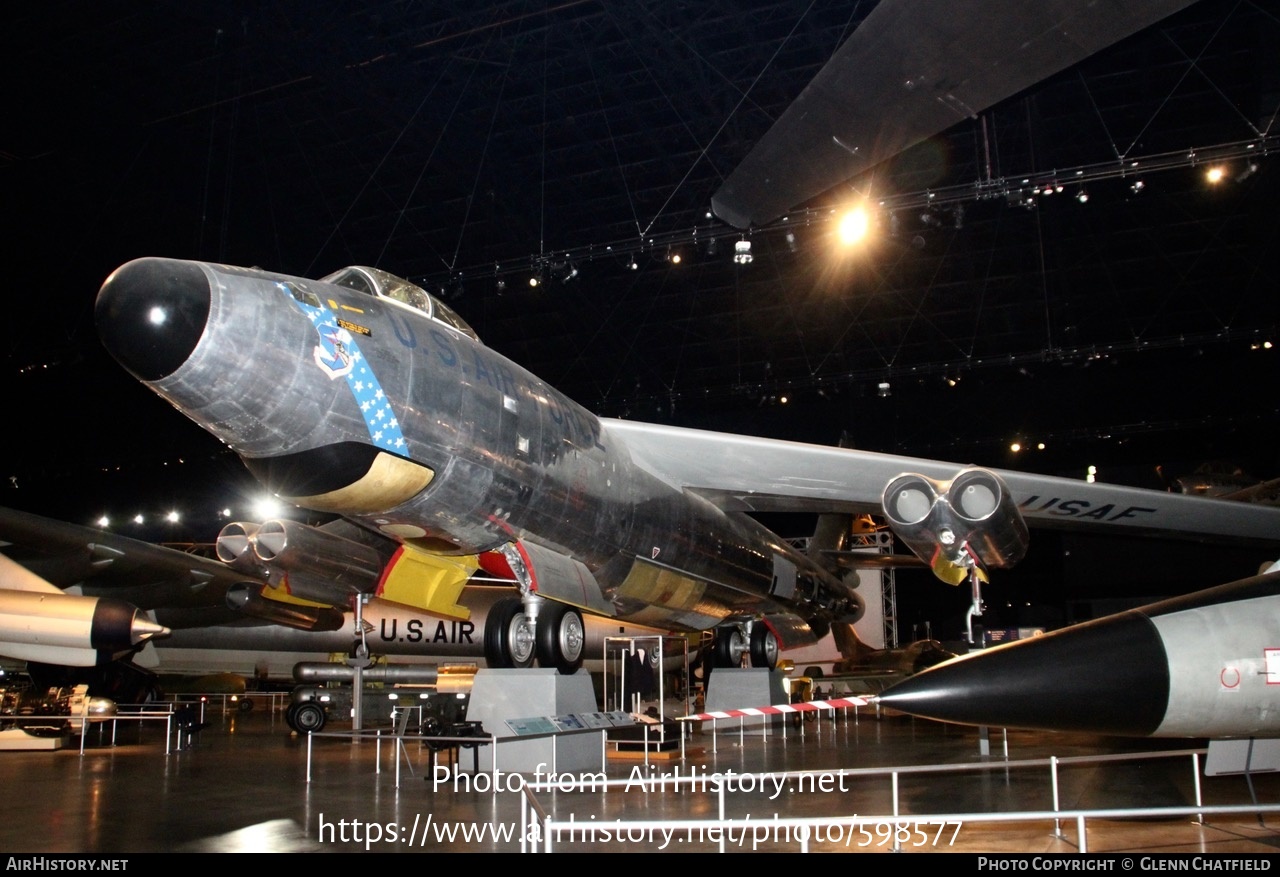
1109, 676
150, 314
143, 629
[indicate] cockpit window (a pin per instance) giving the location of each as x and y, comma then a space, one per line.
351, 279
445, 314
378, 283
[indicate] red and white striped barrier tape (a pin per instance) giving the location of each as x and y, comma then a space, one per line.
833, 704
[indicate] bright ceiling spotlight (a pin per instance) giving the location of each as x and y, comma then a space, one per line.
1015, 447
1137, 186
1082, 196
267, 507
533, 280
1215, 174
854, 226
882, 389
742, 252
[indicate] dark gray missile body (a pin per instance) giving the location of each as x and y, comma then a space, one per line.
1203, 665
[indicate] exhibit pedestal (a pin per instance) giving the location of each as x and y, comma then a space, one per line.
733, 689
500, 695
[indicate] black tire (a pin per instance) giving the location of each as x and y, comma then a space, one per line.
764, 647
507, 642
730, 644
562, 638
288, 717
245, 705
309, 718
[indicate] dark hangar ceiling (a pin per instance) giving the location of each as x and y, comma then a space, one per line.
468, 145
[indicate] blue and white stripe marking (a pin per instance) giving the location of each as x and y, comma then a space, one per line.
339, 356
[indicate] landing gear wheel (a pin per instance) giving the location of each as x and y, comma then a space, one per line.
508, 635
730, 646
308, 718
561, 638
245, 705
764, 647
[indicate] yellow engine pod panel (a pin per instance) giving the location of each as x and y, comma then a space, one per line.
430, 582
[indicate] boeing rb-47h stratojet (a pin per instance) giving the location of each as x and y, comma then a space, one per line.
362, 395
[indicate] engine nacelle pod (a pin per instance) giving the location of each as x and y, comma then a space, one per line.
970, 522
289, 545
996, 532
248, 599
234, 547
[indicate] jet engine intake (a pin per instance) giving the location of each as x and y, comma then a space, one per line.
969, 522
306, 562
234, 547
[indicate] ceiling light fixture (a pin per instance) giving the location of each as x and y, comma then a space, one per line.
854, 226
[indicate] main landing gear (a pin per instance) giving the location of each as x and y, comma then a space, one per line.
733, 641
555, 635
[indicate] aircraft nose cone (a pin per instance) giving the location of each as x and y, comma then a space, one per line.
1107, 676
150, 314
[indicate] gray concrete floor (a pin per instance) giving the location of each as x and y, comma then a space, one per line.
243, 786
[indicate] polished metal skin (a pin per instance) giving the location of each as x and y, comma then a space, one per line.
967, 523
38, 622
345, 399
1203, 665
360, 394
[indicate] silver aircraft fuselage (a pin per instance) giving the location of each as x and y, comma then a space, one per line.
393, 414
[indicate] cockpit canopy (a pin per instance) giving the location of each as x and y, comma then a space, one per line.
380, 284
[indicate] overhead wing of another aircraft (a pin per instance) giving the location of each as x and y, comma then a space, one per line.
912, 69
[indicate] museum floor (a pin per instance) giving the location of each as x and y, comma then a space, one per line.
243, 786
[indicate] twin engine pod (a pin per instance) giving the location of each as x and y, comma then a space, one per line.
306, 562
968, 523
